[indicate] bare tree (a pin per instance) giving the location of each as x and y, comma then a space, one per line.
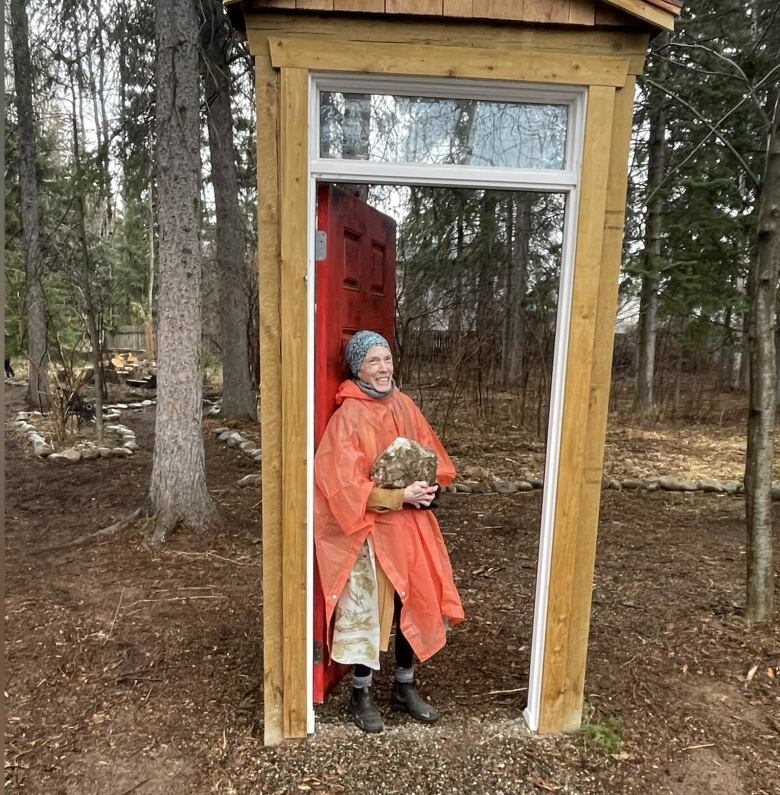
238, 397
178, 491
648, 298
762, 292
35, 306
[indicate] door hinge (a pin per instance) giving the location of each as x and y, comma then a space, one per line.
320, 246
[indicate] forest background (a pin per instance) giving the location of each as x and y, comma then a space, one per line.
84, 216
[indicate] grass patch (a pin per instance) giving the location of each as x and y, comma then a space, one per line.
602, 732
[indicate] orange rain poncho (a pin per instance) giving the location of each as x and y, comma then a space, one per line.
408, 543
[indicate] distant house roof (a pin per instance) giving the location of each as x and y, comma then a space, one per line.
659, 14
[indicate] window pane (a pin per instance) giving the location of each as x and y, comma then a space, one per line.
399, 129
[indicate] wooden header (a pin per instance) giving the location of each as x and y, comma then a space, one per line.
436, 61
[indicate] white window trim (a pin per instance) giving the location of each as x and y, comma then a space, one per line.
562, 181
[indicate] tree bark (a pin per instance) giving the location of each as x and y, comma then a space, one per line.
35, 304
644, 401
86, 275
178, 492
761, 416
238, 397
518, 221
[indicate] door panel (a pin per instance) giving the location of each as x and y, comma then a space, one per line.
355, 289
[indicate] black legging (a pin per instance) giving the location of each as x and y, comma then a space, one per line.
404, 656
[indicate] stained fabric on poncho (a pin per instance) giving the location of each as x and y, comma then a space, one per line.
408, 543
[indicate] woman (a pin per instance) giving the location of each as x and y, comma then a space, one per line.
381, 556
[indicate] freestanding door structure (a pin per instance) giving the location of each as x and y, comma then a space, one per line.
577, 59
354, 290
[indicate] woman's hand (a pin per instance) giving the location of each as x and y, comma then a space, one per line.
419, 494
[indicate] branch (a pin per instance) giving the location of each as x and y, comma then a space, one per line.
734, 65
714, 130
709, 135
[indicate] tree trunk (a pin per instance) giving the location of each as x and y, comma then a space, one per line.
761, 417
238, 398
357, 128
178, 491
516, 282
648, 298
35, 305
86, 276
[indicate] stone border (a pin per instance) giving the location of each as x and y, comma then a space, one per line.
85, 450
246, 446
663, 483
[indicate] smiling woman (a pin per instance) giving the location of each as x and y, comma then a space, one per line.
380, 554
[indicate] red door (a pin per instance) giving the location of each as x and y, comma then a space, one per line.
355, 289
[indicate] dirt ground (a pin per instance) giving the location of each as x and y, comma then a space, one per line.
140, 672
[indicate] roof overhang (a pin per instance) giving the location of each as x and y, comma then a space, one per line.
658, 14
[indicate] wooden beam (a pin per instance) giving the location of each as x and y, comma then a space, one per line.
293, 316
267, 98
463, 33
598, 401
566, 637
436, 61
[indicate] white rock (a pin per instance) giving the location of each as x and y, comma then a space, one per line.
89, 453
57, 457
41, 449
247, 446
220, 430
121, 451
36, 414
146, 403
131, 445
121, 405
104, 452
235, 440
249, 480
223, 437
22, 415
72, 455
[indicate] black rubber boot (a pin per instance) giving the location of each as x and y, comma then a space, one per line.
406, 699
364, 711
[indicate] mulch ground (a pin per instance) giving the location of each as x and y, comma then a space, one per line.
138, 672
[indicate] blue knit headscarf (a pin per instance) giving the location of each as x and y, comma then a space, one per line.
359, 345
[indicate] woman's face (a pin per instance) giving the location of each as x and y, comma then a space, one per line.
377, 369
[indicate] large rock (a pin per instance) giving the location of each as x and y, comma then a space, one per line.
632, 484
524, 485
505, 487
674, 484
402, 463
72, 455
710, 485
89, 453
104, 452
120, 452
41, 449
130, 444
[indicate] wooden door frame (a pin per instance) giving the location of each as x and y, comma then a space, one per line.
285, 204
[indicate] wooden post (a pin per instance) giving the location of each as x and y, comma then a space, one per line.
267, 88
566, 635
294, 167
